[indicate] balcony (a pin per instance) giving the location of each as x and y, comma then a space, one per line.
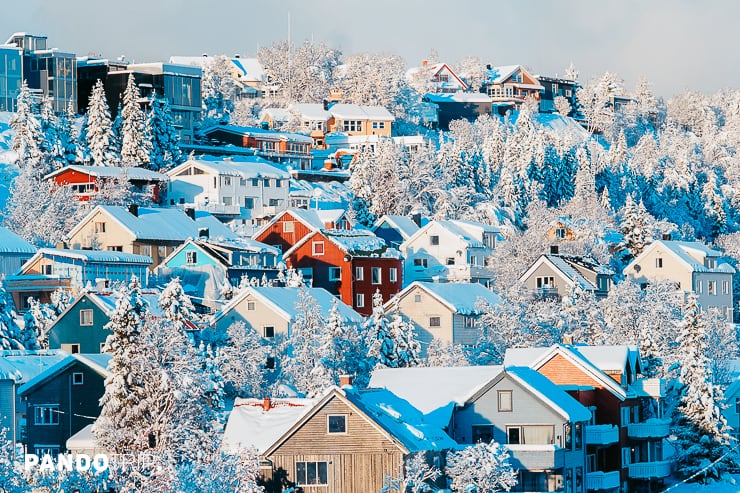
650, 470
536, 457
219, 209
653, 428
546, 293
601, 434
599, 480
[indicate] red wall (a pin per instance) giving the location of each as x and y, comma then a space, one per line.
275, 236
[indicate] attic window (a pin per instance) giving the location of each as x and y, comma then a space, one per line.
191, 257
288, 227
560, 233
434, 240
86, 317
336, 423
317, 247
659, 263
268, 331
504, 401
100, 227
78, 378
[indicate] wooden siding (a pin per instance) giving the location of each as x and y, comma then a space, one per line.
263, 315
7, 409
67, 329
274, 234
358, 461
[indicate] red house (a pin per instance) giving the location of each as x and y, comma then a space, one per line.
291, 226
353, 264
86, 181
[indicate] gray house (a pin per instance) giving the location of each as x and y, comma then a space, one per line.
14, 251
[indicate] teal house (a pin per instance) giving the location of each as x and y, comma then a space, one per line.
80, 328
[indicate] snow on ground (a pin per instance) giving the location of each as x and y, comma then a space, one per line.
720, 487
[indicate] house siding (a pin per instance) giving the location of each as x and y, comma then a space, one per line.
262, 315
274, 234
67, 329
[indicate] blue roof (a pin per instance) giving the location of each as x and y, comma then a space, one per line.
22, 366
12, 243
98, 363
550, 393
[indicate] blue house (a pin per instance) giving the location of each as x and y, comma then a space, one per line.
14, 252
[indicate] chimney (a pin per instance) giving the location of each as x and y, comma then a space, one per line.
345, 381
488, 66
666, 237
203, 233
190, 213
416, 217
266, 404
134, 209
553, 250
424, 63
568, 339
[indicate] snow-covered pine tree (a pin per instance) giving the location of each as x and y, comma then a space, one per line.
27, 135
701, 431
634, 226
165, 140
52, 147
390, 343
100, 138
416, 477
446, 354
73, 148
10, 333
176, 305
483, 467
136, 145
242, 361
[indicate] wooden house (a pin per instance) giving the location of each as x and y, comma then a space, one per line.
14, 252
508, 86
439, 78
289, 227
86, 181
281, 147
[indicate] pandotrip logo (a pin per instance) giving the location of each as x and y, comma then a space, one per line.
66, 462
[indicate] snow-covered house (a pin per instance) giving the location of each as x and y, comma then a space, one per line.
439, 76
347, 440
692, 267
466, 105
353, 119
14, 252
290, 226
624, 437
247, 73
509, 85
205, 266
16, 369
61, 400
86, 181
55, 268
539, 423
287, 148
452, 250
558, 276
443, 311
154, 232
271, 311
395, 229
731, 411
352, 264
244, 188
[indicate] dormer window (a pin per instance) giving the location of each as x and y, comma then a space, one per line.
710, 262
560, 233
659, 263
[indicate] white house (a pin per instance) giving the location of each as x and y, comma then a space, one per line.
452, 250
247, 189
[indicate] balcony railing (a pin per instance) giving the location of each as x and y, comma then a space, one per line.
534, 457
601, 434
599, 480
221, 209
650, 470
652, 428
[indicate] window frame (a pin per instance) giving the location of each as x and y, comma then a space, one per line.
435, 321
434, 240
502, 405
268, 331
376, 275
317, 472
317, 252
393, 274
40, 414
360, 300
78, 378
84, 321
359, 273
335, 273
191, 257
328, 424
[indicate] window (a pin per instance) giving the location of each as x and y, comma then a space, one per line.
545, 282
100, 227
162, 251
226, 181
52, 450
71, 348
191, 257
266, 183
46, 414
336, 423
560, 233
469, 322
712, 287
359, 300
420, 262
227, 200
274, 202
482, 433
311, 473
255, 182
417, 298
47, 269
710, 262
725, 287
278, 183
659, 263
393, 274
78, 378
450, 261
270, 363
351, 126
699, 286
505, 404
86, 317
737, 405
251, 306
568, 436
626, 453
288, 227
435, 321
335, 273
434, 240
249, 202
268, 331
513, 435
625, 413
578, 436
317, 247
375, 275
359, 273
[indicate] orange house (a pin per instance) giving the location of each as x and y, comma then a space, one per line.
291, 226
281, 147
352, 264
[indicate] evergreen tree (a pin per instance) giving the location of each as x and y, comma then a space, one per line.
98, 129
10, 333
52, 147
635, 227
136, 146
391, 343
27, 135
165, 140
242, 361
700, 428
479, 468
176, 305
73, 148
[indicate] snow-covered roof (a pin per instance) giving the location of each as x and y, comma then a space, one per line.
358, 242
610, 358
378, 113
82, 440
241, 166
330, 215
469, 232
331, 194
249, 69
686, 252
475, 228
588, 263
12, 243
404, 225
435, 390
401, 420
461, 298
65, 363
457, 97
285, 301
308, 217
498, 75
132, 173
276, 114
260, 133
251, 426
345, 111
311, 111
569, 274
107, 301
550, 393
160, 224
22, 366
93, 256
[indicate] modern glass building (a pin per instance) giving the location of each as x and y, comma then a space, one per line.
11, 76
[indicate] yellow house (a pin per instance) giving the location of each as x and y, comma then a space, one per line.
353, 119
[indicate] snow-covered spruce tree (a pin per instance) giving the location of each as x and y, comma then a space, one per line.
220, 472
701, 431
11, 471
98, 129
165, 152
39, 316
416, 477
176, 305
136, 145
242, 361
10, 333
74, 149
481, 468
635, 227
342, 348
219, 89
52, 147
27, 135
390, 343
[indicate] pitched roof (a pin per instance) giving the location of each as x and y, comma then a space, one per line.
404, 225
311, 111
159, 223
285, 301
12, 243
308, 217
241, 166
90, 256
682, 251
461, 298
98, 363
132, 173
571, 275
346, 111
548, 392
22, 366
259, 133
